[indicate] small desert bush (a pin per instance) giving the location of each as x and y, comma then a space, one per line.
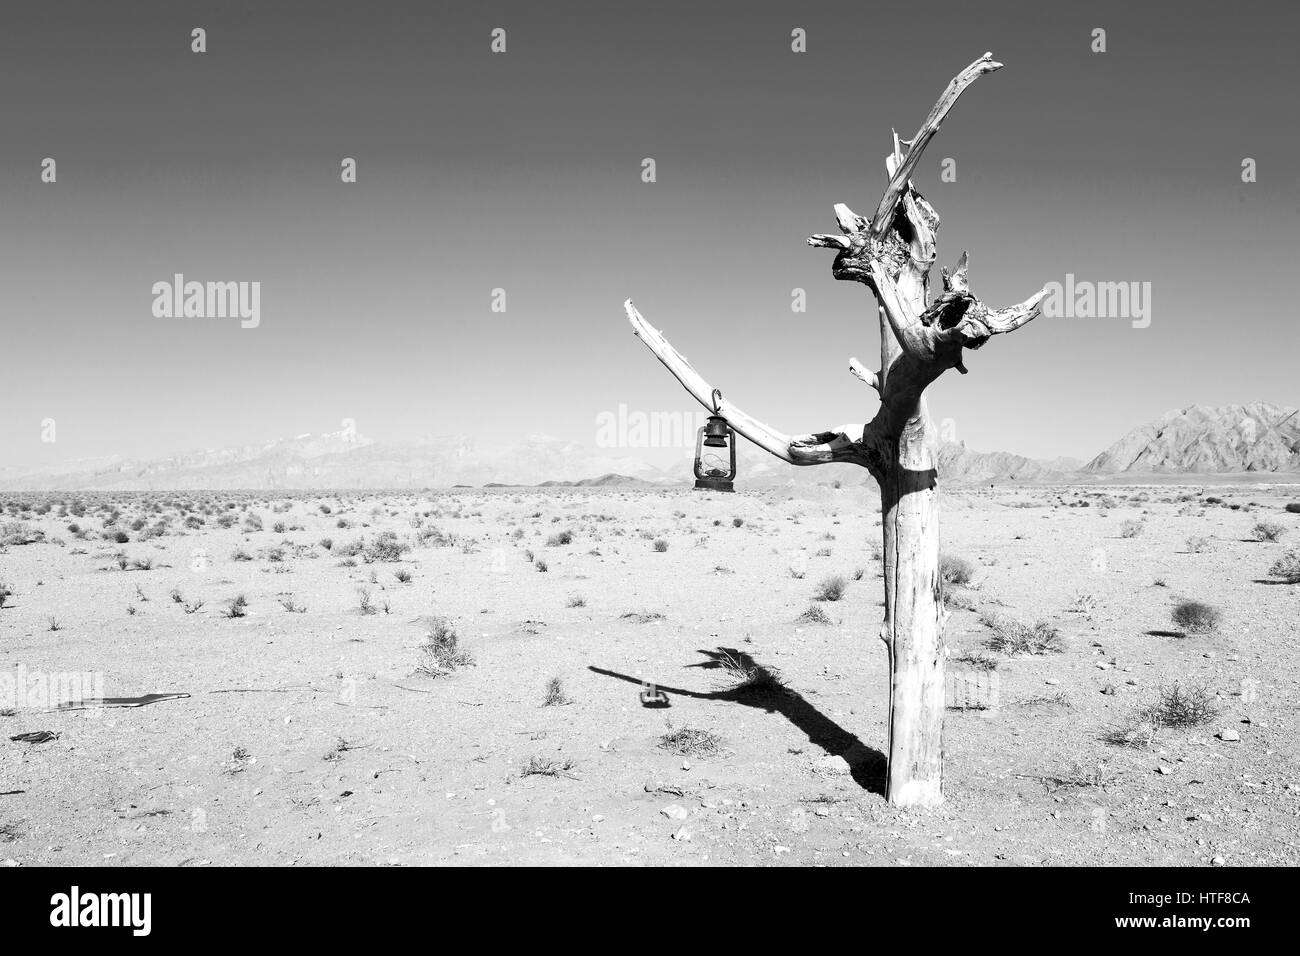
432, 537
365, 603
1084, 603
1013, 637
959, 600
386, 547
546, 767
660, 545
1196, 544
576, 601
559, 539
1196, 617
402, 575
641, 617
554, 695
441, 652
1175, 707
1287, 568
814, 615
1131, 529
747, 678
1267, 531
350, 549
689, 742
954, 570
832, 588
237, 606
737, 522
979, 662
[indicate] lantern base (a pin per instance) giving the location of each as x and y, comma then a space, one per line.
714, 484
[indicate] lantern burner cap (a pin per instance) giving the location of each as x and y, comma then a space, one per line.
715, 432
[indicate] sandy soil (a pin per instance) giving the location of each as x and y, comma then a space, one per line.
310, 738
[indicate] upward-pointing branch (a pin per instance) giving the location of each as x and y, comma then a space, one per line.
899, 175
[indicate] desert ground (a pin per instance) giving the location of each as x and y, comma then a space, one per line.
455, 678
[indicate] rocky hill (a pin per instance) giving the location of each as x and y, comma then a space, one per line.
1201, 439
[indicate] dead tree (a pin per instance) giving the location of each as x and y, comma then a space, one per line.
891, 253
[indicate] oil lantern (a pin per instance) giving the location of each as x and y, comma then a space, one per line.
715, 452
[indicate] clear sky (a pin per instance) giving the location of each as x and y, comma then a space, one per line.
522, 171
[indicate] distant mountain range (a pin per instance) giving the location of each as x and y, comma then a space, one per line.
1253, 439
1208, 440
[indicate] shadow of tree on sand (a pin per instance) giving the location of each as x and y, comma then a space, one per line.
751, 684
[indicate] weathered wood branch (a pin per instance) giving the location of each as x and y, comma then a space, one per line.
899, 176
864, 374
956, 320
841, 444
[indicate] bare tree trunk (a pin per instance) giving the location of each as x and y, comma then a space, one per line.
892, 254
913, 627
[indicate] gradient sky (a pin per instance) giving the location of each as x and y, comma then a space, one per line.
522, 171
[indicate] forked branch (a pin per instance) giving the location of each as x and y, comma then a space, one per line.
893, 252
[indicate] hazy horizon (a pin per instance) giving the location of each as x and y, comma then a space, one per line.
522, 171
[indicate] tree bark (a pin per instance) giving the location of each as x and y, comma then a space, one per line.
913, 626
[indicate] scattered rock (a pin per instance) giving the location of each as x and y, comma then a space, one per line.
1227, 733
675, 811
833, 763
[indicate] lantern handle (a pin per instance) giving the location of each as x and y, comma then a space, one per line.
717, 400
